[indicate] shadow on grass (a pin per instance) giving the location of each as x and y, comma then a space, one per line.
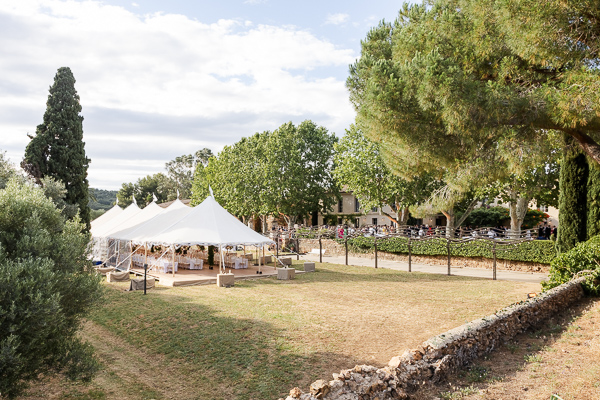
228, 358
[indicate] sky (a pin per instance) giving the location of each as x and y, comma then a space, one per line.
158, 79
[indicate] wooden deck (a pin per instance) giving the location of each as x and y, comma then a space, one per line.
185, 277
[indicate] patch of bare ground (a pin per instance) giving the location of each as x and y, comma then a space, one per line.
560, 358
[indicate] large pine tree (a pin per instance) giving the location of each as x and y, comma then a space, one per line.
57, 149
572, 200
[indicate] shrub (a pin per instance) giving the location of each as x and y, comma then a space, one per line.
483, 217
46, 287
584, 256
536, 251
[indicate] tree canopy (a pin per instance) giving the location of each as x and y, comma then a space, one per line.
175, 182
57, 149
360, 168
286, 173
453, 84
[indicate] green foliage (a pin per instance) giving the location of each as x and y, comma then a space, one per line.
7, 169
57, 149
144, 190
533, 218
200, 186
286, 173
360, 168
165, 186
469, 86
584, 256
536, 251
485, 217
573, 198
47, 288
211, 255
593, 201
101, 199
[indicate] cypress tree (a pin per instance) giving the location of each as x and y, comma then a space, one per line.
593, 200
572, 199
57, 149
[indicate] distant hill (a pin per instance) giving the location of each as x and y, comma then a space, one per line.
105, 199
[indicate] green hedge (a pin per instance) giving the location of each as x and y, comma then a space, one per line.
584, 256
536, 251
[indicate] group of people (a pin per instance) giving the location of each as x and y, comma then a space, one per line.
546, 231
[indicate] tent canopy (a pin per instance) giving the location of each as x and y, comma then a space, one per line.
208, 224
107, 216
149, 212
103, 230
144, 232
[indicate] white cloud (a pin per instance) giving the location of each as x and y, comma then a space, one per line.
337, 19
165, 65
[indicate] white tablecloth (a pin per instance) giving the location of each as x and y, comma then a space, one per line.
168, 266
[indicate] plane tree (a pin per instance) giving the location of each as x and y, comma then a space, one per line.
359, 167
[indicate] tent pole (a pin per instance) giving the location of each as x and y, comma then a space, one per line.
146, 253
259, 258
173, 248
130, 258
222, 266
118, 248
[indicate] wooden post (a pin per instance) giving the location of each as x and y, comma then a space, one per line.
145, 274
346, 244
276, 244
494, 267
448, 249
409, 256
297, 248
375, 251
320, 250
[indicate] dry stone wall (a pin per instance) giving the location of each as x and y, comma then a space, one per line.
442, 354
332, 248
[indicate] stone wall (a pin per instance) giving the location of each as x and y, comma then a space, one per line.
442, 354
335, 249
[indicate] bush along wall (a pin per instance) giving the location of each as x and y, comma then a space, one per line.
535, 251
585, 256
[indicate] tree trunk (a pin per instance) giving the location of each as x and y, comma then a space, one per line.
404, 216
518, 210
468, 211
450, 217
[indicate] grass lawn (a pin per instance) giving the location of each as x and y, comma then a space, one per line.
260, 338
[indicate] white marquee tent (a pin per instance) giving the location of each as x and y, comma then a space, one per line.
107, 216
139, 234
102, 230
207, 224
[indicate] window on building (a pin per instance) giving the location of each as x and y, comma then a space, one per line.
356, 205
340, 206
357, 222
374, 221
374, 209
339, 221
543, 208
